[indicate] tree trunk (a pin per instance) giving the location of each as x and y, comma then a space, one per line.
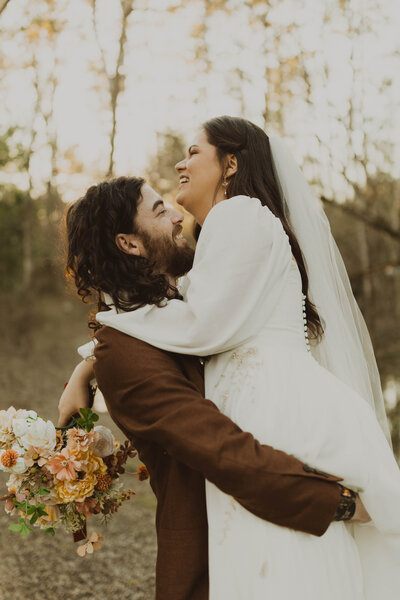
27, 258
115, 81
366, 278
5, 2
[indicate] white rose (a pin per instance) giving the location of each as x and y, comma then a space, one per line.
20, 467
104, 446
20, 427
40, 433
20, 449
21, 420
14, 482
21, 413
7, 436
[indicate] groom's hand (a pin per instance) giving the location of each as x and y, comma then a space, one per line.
76, 393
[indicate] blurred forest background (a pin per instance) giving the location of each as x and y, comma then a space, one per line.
95, 88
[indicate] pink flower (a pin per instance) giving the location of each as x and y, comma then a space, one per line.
79, 440
64, 465
21, 496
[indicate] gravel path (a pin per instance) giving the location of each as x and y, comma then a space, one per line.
40, 567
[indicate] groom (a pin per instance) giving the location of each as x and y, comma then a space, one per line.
124, 240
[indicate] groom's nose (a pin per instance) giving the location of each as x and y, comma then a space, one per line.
176, 216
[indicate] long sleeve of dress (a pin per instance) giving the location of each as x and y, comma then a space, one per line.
239, 268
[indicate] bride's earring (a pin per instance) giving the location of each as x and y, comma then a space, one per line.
225, 185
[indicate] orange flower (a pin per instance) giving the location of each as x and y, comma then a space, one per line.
64, 465
9, 458
142, 473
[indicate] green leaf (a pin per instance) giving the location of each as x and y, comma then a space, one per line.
50, 530
42, 491
21, 527
25, 530
34, 519
25, 505
87, 419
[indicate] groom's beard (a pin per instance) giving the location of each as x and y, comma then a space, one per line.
166, 256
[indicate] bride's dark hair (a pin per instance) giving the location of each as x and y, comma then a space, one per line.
255, 177
93, 259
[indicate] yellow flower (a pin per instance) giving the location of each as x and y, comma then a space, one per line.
76, 489
92, 463
79, 489
53, 513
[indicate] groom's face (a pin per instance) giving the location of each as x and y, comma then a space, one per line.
159, 235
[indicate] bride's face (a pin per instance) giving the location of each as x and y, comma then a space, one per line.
199, 174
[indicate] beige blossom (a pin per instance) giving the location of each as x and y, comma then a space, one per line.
7, 436
14, 482
105, 444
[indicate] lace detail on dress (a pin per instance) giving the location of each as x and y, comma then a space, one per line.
242, 364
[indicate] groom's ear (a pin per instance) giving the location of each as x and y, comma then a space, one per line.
232, 166
129, 244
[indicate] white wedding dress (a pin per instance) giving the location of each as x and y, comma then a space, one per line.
244, 308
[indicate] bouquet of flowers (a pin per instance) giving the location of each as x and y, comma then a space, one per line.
61, 476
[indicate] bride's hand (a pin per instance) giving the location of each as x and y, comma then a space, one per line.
361, 515
76, 393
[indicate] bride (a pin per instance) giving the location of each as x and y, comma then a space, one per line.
268, 302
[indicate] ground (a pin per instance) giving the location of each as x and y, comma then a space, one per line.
37, 353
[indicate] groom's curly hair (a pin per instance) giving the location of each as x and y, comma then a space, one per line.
255, 177
94, 261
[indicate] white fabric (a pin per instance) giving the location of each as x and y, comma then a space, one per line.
243, 305
346, 348
218, 315
86, 350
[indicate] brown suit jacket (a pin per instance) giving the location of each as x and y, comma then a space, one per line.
156, 398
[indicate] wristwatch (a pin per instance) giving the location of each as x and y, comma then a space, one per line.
347, 505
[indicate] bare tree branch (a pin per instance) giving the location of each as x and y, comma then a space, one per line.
96, 33
116, 80
3, 6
